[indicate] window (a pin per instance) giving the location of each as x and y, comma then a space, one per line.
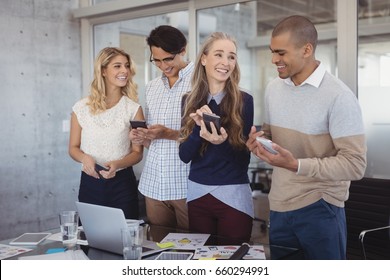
374, 83
131, 35
251, 23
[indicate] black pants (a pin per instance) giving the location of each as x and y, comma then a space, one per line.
118, 192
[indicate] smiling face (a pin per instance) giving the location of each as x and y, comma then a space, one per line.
169, 64
219, 62
117, 72
291, 60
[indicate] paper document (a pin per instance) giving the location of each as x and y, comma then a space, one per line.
187, 241
256, 252
7, 251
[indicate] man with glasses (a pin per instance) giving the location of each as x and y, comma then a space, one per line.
163, 180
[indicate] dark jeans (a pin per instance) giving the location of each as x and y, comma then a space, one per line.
318, 229
118, 192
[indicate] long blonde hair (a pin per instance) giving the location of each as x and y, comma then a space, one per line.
97, 96
231, 105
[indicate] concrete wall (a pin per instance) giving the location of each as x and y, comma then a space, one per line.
40, 74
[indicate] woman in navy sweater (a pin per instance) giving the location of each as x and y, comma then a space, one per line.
219, 196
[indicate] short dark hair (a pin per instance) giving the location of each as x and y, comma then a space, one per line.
168, 38
302, 29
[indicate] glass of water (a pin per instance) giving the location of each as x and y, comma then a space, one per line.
132, 238
69, 222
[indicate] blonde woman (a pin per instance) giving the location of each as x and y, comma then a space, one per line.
99, 134
219, 197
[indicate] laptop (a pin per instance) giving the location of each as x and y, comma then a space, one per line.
102, 227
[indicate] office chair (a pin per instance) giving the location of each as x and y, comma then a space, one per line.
260, 185
380, 242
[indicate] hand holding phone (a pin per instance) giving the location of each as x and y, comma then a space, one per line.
135, 124
216, 120
98, 168
267, 144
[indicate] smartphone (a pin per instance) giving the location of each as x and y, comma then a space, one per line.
135, 124
98, 167
175, 256
267, 144
208, 118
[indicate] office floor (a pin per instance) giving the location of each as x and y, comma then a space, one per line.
260, 224
259, 235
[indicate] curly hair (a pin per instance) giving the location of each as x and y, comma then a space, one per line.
97, 96
231, 105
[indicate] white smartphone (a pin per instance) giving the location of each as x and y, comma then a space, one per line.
174, 256
267, 144
30, 238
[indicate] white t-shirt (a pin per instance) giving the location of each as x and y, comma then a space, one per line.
105, 136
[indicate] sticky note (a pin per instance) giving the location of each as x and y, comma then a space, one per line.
165, 245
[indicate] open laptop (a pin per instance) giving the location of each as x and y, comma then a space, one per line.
102, 227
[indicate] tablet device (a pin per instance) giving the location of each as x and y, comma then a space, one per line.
135, 124
174, 256
208, 118
30, 238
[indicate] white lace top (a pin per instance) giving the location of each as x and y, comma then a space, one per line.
105, 136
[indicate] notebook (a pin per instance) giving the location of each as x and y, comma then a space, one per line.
102, 227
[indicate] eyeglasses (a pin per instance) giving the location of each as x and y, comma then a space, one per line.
158, 62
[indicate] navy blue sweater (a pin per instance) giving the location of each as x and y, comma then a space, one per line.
220, 164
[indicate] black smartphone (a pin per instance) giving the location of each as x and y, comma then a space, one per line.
208, 118
98, 167
135, 124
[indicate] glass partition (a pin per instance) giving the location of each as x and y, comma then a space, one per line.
251, 23
131, 35
374, 83
94, 2
246, 21
256, 19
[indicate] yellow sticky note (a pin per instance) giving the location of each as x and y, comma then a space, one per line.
165, 245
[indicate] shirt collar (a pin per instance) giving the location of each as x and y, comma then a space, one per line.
314, 79
218, 97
